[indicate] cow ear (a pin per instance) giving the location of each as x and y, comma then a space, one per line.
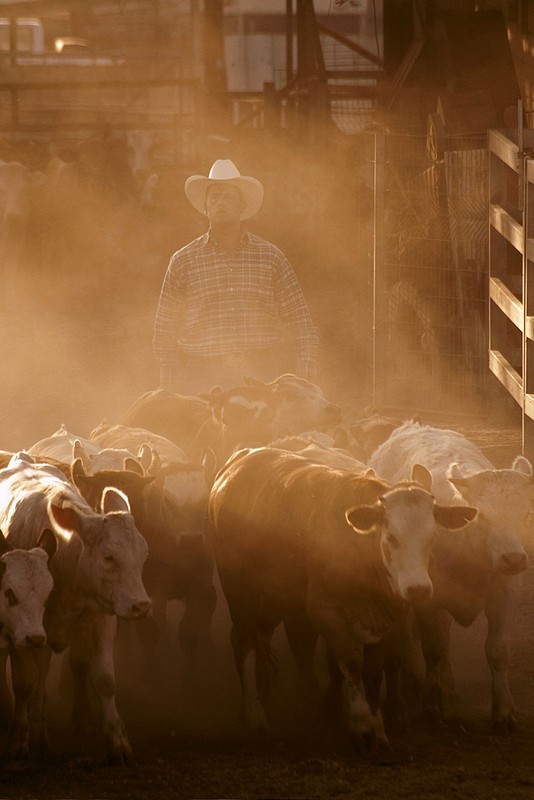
454, 517
145, 456
133, 465
208, 460
3, 567
369, 473
4, 545
48, 542
523, 465
421, 475
114, 500
66, 518
364, 518
78, 473
78, 452
341, 438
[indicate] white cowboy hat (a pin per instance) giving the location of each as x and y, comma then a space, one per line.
225, 171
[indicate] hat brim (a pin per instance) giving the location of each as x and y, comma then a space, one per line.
251, 189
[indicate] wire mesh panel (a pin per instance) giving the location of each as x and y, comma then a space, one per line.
429, 270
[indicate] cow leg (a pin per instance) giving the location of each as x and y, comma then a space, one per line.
365, 723
253, 666
194, 627
402, 675
102, 677
343, 637
302, 639
434, 627
501, 612
5, 695
79, 655
29, 669
24, 679
374, 658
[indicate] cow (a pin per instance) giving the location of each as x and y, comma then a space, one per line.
97, 572
478, 572
220, 420
369, 432
327, 552
300, 405
323, 454
59, 445
173, 521
25, 585
240, 416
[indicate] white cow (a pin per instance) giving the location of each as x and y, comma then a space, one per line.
300, 405
180, 564
66, 447
25, 584
97, 574
479, 571
59, 445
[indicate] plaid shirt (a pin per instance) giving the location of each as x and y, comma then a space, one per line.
213, 302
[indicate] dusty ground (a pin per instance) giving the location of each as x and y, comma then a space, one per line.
199, 752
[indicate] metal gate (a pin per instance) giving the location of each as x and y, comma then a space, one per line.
427, 245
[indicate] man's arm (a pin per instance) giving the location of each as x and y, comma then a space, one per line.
294, 311
166, 325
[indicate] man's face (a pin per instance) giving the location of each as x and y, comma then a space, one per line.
224, 203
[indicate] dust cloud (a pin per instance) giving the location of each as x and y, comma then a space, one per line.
83, 269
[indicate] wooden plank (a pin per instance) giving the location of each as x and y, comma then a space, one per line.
507, 226
506, 374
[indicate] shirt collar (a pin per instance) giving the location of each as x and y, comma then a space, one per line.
209, 238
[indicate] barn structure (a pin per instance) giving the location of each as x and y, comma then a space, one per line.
368, 123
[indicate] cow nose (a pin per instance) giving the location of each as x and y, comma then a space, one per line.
35, 640
420, 592
512, 563
140, 609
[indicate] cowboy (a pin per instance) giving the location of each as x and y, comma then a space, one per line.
230, 304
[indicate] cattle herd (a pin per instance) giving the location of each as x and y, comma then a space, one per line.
366, 539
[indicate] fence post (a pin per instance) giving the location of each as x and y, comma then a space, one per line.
379, 287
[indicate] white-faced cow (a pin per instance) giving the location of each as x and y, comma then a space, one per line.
97, 572
479, 571
327, 552
25, 585
173, 520
300, 405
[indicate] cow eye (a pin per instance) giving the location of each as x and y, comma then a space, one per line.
392, 541
110, 561
11, 598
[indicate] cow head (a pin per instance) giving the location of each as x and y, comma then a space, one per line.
244, 416
300, 405
504, 499
25, 585
405, 518
109, 568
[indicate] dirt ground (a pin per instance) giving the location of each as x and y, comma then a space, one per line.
191, 745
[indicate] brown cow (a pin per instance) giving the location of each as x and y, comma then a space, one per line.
290, 546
